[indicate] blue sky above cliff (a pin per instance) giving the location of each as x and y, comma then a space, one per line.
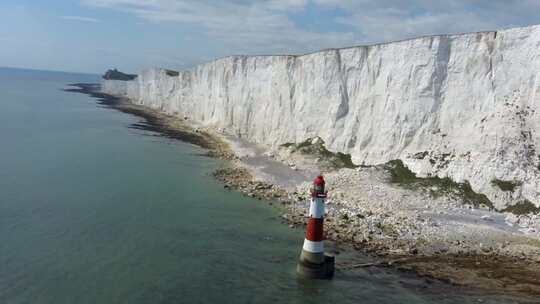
92, 35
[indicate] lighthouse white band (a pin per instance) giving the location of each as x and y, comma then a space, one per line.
316, 207
314, 247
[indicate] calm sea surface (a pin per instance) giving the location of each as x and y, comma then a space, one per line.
92, 211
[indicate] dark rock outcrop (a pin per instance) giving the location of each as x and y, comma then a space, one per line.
114, 74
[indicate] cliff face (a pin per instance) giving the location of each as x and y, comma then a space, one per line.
464, 106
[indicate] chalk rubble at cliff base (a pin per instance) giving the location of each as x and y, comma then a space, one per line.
366, 209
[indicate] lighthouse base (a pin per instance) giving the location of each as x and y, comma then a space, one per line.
321, 271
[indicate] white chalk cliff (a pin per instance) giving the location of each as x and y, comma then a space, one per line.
464, 106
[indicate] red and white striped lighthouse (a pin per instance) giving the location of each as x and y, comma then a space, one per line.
313, 261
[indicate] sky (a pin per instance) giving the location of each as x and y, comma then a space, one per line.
94, 35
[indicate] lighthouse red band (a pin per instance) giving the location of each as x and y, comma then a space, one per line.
313, 242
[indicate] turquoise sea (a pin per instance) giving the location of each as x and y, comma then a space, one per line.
92, 211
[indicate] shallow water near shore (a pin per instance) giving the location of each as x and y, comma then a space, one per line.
92, 211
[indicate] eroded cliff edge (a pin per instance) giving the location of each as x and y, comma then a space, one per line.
463, 106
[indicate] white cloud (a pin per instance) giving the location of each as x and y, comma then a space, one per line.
387, 20
227, 27
240, 26
286, 4
81, 18
389, 26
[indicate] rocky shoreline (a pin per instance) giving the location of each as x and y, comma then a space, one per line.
387, 222
489, 269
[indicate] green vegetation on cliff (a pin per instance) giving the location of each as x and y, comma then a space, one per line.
400, 174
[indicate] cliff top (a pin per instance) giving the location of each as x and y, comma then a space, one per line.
451, 35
